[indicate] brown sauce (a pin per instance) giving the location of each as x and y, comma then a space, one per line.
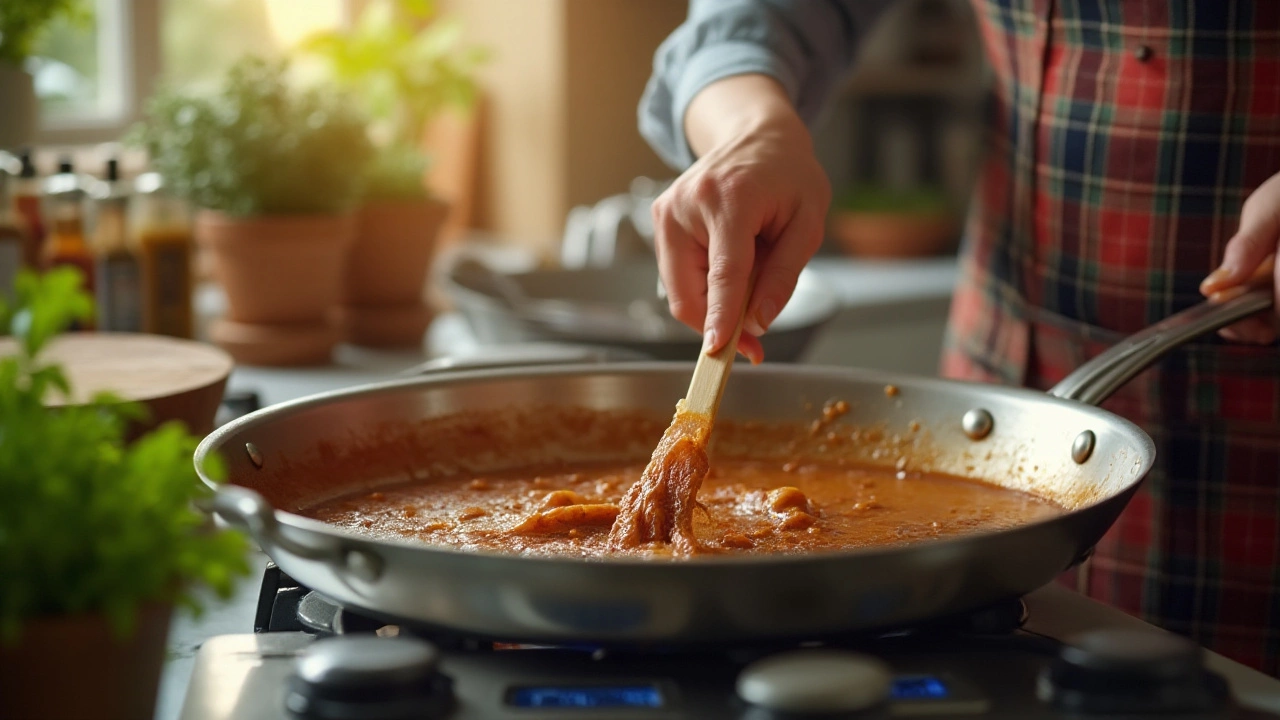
742, 506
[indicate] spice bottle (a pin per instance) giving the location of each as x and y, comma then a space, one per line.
26, 201
12, 240
116, 267
65, 245
161, 227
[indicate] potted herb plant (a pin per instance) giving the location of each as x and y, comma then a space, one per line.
99, 537
872, 222
21, 23
275, 173
405, 66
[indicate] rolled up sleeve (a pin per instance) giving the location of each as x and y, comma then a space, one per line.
806, 45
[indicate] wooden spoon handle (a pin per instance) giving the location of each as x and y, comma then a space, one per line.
712, 371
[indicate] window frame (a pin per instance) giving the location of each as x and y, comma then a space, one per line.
133, 46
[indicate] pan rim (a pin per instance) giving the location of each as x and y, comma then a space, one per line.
215, 439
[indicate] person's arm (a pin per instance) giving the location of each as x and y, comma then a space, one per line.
732, 93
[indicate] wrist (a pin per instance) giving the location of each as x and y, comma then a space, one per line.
741, 106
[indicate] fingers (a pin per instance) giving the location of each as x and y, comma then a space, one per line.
1257, 330
780, 269
750, 347
682, 263
731, 254
1256, 238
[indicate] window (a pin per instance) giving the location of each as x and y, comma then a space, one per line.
90, 75
93, 77
242, 27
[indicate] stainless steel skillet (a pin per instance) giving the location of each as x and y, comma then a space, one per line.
1056, 444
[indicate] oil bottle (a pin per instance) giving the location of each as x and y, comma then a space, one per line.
27, 196
12, 240
116, 267
161, 226
65, 245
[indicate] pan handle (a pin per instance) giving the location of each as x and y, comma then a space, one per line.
245, 508
1094, 381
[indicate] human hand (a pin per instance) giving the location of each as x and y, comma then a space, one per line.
756, 195
1250, 260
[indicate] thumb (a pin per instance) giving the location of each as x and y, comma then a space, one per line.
1256, 238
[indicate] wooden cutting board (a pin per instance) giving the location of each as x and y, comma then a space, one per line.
175, 379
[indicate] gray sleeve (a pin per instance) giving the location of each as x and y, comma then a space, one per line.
806, 45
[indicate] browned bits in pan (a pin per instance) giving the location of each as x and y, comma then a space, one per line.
561, 498
737, 540
891, 391
834, 409
376, 496
471, 513
409, 511
478, 484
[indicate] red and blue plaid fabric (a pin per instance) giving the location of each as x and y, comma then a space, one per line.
1126, 135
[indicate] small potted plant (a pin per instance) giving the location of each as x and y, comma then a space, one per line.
275, 173
21, 23
873, 222
403, 77
99, 537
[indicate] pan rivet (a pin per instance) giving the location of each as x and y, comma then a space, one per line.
1082, 448
255, 455
977, 423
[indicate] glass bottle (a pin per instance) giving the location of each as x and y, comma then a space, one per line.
161, 226
12, 240
27, 196
65, 245
116, 267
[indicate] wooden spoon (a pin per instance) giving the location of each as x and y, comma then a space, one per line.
659, 507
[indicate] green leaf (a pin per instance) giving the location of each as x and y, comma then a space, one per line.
89, 523
257, 145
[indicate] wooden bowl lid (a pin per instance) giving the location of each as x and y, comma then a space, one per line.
132, 366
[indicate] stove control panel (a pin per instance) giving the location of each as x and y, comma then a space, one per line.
291, 676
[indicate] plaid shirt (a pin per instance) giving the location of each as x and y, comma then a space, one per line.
1126, 136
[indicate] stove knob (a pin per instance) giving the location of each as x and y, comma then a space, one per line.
369, 678
817, 682
1126, 671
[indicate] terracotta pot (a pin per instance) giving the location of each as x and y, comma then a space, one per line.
895, 235
391, 255
385, 326
74, 667
383, 301
283, 277
289, 345
279, 268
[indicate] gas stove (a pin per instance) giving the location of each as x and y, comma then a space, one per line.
1051, 654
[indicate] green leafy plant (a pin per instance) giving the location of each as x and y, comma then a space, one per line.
258, 146
22, 22
877, 199
396, 173
405, 65
88, 523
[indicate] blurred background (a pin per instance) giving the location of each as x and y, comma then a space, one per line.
499, 157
